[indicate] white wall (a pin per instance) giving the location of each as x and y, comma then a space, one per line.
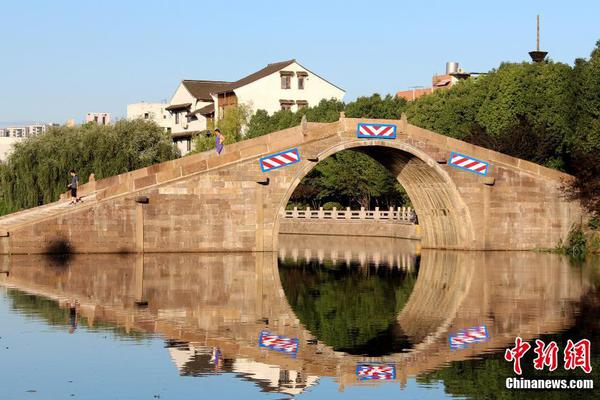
265, 93
156, 112
6, 146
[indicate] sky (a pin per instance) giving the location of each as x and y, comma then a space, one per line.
62, 59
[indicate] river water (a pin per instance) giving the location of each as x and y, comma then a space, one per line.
318, 320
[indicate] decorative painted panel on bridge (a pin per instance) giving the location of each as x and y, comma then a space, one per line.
278, 160
468, 163
465, 337
380, 372
376, 131
278, 343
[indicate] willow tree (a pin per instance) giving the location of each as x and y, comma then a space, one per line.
37, 170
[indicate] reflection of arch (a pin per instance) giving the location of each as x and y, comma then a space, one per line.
442, 212
437, 295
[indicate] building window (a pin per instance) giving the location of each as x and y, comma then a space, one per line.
286, 104
146, 115
301, 79
286, 79
189, 145
176, 118
301, 104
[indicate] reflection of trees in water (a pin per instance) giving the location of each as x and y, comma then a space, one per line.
485, 378
348, 307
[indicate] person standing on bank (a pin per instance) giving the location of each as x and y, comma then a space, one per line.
220, 141
73, 186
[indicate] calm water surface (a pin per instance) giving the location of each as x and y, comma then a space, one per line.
175, 326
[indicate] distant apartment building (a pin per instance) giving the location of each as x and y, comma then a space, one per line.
25, 130
101, 118
197, 104
14, 134
453, 74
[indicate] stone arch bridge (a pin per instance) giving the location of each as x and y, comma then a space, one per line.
209, 203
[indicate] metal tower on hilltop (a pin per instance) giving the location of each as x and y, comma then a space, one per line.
537, 55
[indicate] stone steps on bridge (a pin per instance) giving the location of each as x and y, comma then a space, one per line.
15, 220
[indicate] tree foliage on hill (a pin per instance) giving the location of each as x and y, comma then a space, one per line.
524, 109
37, 170
585, 158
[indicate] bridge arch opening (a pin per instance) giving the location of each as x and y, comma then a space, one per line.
444, 219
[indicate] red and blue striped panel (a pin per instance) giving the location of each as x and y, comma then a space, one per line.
282, 344
468, 163
278, 160
379, 372
376, 131
465, 337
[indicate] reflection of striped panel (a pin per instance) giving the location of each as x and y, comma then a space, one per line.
465, 337
376, 131
278, 343
279, 160
365, 372
468, 163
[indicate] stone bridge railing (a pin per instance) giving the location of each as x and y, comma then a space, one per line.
400, 215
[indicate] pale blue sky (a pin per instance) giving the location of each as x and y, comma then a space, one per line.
61, 59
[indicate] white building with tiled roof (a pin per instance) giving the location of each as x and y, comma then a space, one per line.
285, 85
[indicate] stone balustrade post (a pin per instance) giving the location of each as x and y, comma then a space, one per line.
307, 213
321, 213
376, 213
362, 214
348, 213
295, 212
334, 213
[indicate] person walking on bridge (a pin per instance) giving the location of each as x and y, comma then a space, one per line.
73, 186
220, 141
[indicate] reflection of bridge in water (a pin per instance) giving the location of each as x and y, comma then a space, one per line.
200, 302
375, 251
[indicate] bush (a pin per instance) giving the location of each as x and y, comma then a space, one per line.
331, 204
575, 245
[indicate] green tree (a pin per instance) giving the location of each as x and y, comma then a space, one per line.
584, 161
525, 110
356, 177
389, 107
37, 170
